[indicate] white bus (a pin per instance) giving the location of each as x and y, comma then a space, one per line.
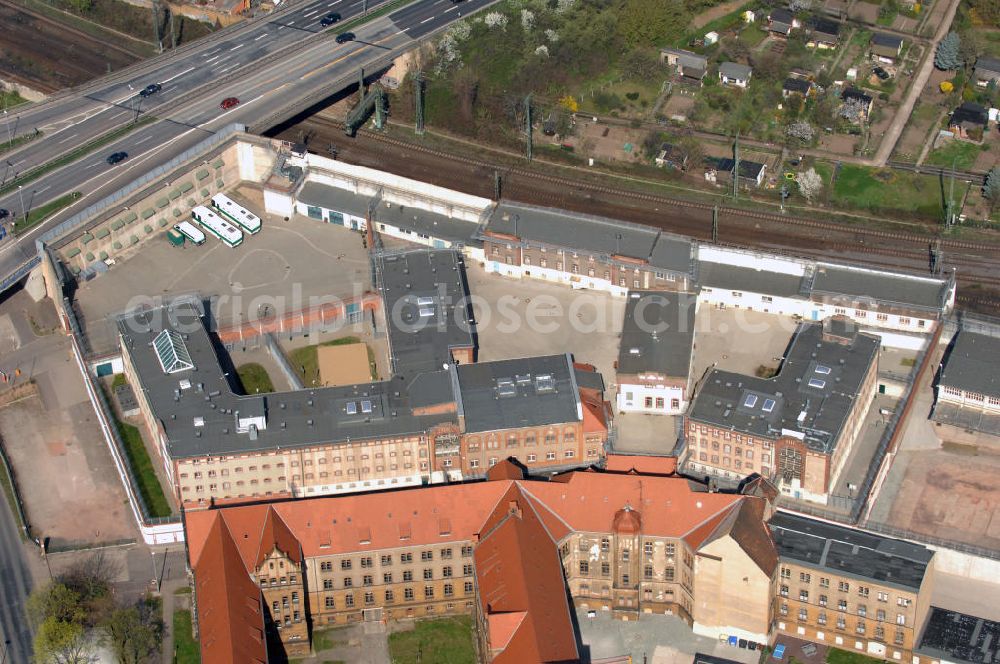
191, 232
236, 213
217, 226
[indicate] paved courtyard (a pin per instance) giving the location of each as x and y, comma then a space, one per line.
52, 437
654, 639
739, 340
281, 268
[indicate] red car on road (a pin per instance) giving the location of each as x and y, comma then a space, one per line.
229, 102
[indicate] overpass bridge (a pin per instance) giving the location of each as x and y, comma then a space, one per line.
274, 81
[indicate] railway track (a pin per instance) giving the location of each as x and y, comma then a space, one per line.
976, 262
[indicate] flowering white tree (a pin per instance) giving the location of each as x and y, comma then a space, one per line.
495, 20
563, 6
448, 52
542, 50
527, 19
552, 35
810, 184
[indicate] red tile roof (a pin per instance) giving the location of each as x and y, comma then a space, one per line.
519, 574
641, 465
230, 621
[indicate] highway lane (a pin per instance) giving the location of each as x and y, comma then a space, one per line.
14, 590
73, 121
262, 91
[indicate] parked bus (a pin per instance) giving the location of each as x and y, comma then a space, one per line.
236, 213
191, 232
217, 226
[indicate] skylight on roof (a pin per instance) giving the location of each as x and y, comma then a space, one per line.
425, 301
817, 383
822, 369
506, 388
426, 312
366, 406
768, 405
352, 407
545, 383
750, 401
172, 352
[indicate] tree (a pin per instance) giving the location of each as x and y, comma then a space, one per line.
641, 63
135, 633
648, 22
810, 184
991, 189
948, 54
801, 130
61, 642
56, 601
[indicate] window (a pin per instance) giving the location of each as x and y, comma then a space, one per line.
625, 579
584, 567
408, 594
348, 582
625, 555
784, 590
449, 590
446, 572
841, 623
407, 575
841, 604
647, 548
862, 591
366, 562
862, 610
466, 570
366, 580
900, 618
883, 597
822, 600
369, 599
389, 596
329, 603
880, 615
468, 587
426, 555
898, 638
386, 560
605, 569
860, 629
327, 584
387, 577
803, 595
349, 600
843, 586
824, 582
804, 578
428, 592
445, 554
325, 566
786, 573
803, 615
345, 564
647, 572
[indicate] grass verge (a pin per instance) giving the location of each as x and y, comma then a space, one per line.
8, 146
43, 212
186, 649
387, 8
443, 641
142, 469
73, 155
254, 378
838, 656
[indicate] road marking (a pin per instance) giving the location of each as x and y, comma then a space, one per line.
428, 19
92, 165
45, 188
308, 14
237, 46
66, 139
143, 140
450, 8
223, 71
280, 27
215, 57
177, 75
261, 37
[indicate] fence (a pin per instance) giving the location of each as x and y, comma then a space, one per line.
88, 213
154, 529
970, 549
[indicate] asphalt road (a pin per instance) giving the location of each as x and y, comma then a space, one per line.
14, 591
262, 89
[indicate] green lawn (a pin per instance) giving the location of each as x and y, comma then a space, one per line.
888, 190
44, 212
442, 641
254, 378
118, 381
836, 656
186, 649
142, 468
960, 153
305, 363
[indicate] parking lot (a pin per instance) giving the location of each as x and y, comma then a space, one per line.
285, 267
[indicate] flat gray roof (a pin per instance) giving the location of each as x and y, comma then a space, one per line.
420, 222
531, 391
812, 394
973, 364
199, 410
958, 637
593, 234
857, 283
736, 278
425, 296
848, 551
658, 333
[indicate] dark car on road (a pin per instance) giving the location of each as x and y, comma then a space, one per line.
345, 37
150, 89
329, 19
229, 102
117, 157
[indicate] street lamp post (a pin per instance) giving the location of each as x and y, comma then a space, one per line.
6, 647
10, 136
20, 196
